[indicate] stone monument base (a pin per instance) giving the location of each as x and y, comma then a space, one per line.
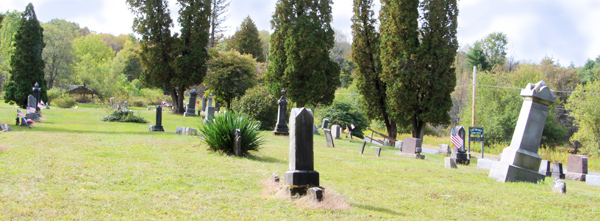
504, 172
485, 163
281, 133
592, 180
186, 114
575, 176
461, 158
154, 128
412, 155
35, 117
300, 181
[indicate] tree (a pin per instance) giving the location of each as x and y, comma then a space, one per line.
590, 71
299, 56
58, 53
217, 17
494, 48
265, 44
247, 41
583, 106
92, 65
27, 66
365, 53
476, 58
10, 24
128, 62
417, 63
231, 74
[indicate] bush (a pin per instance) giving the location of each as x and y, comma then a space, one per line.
124, 116
218, 133
345, 114
53, 94
137, 102
65, 102
259, 105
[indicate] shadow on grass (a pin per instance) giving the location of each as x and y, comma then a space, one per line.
378, 209
266, 159
62, 130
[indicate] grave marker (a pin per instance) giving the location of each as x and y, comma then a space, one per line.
190, 108
158, 126
237, 143
302, 175
577, 167
336, 131
281, 127
328, 138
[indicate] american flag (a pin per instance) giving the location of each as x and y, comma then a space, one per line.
20, 114
456, 139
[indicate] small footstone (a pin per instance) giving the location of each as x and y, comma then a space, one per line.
559, 186
450, 163
592, 180
275, 178
315, 193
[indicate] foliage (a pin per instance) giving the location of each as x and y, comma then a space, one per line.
218, 133
217, 17
259, 104
27, 66
231, 75
417, 62
10, 24
124, 116
345, 114
475, 57
590, 71
583, 106
365, 53
53, 94
299, 55
265, 38
65, 101
92, 65
58, 54
128, 62
247, 41
494, 48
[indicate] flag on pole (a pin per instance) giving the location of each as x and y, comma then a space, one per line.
352, 126
456, 139
20, 114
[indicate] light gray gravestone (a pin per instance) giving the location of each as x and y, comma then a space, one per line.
378, 151
281, 127
592, 180
485, 163
328, 138
520, 161
449, 162
190, 108
336, 131
315, 194
315, 130
302, 175
444, 149
545, 168
210, 100
411, 147
398, 145
577, 167
203, 104
158, 126
210, 114
325, 123
47, 106
559, 186
557, 170
237, 143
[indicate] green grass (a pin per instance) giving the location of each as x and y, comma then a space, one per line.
74, 166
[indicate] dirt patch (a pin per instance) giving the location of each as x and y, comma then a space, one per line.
331, 199
3, 148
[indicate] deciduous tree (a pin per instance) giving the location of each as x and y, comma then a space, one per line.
231, 74
217, 17
58, 53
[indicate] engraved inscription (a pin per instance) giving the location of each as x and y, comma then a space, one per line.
539, 106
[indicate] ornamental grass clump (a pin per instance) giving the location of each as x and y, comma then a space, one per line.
218, 133
124, 116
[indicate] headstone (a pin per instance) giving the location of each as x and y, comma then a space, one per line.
203, 105
559, 186
592, 180
112, 103
325, 123
386, 143
281, 127
36, 93
275, 178
125, 105
411, 147
190, 110
520, 161
398, 145
31, 108
362, 149
149, 108
210, 114
545, 168
315, 194
180, 130
316, 130
444, 149
557, 170
47, 106
328, 138
23, 122
450, 163
577, 167
158, 126
378, 151
461, 156
237, 143
485, 163
302, 175
210, 100
336, 131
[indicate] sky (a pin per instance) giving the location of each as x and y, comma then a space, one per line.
566, 30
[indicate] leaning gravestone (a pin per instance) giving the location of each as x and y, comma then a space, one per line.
302, 175
325, 123
336, 131
281, 127
520, 161
577, 167
411, 147
158, 126
328, 138
190, 109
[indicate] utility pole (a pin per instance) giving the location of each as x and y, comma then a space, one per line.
474, 89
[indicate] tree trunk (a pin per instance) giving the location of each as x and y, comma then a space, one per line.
180, 98
174, 100
418, 128
391, 127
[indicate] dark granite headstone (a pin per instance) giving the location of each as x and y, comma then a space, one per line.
328, 138
36, 93
190, 109
362, 149
203, 104
325, 123
237, 143
315, 130
545, 168
281, 127
302, 175
158, 126
557, 170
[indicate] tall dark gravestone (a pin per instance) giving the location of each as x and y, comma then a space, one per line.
203, 104
190, 110
325, 123
36, 93
281, 127
302, 175
158, 126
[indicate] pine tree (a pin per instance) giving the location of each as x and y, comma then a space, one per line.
475, 57
365, 53
417, 62
247, 41
299, 58
27, 66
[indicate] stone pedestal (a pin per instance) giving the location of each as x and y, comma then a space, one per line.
190, 108
158, 126
302, 175
520, 161
281, 127
577, 167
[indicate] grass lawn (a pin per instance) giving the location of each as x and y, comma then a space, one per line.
74, 166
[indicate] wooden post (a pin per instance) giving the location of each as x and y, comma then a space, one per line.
474, 89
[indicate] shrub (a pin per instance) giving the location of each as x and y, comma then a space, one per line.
137, 102
218, 133
345, 114
124, 116
65, 102
259, 105
53, 94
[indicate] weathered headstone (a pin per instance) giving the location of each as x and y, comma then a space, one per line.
302, 175
210, 100
449, 162
186, 131
23, 122
545, 168
577, 167
592, 180
557, 170
210, 114
203, 105
325, 123
315, 194
398, 145
36, 93
411, 147
559, 186
485, 163
328, 138
237, 143
316, 130
378, 151
336, 131
158, 126
31, 108
444, 149
362, 149
281, 127
520, 161
190, 108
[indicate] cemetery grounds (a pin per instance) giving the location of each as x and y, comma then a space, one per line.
75, 166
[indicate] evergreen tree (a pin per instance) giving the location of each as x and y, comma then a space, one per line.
27, 66
299, 58
365, 53
417, 62
247, 41
475, 57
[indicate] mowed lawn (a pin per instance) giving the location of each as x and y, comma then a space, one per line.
74, 166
